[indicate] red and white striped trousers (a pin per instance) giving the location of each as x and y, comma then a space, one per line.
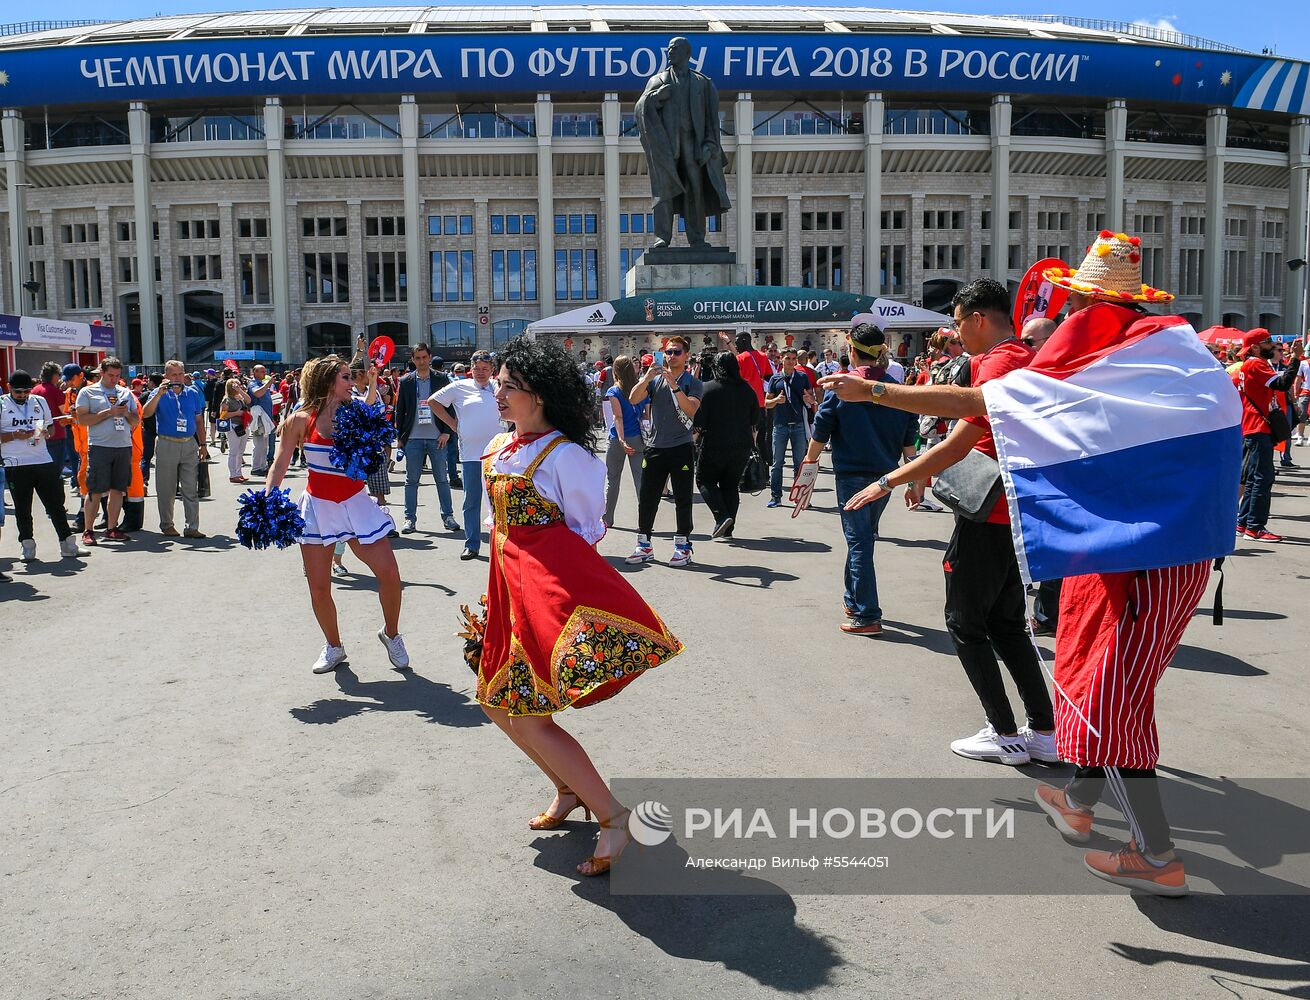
1117, 633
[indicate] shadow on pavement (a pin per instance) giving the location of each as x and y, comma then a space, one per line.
1211, 661
745, 924
410, 692
776, 544
756, 577
1255, 616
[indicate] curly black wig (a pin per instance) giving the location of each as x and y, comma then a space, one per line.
549, 372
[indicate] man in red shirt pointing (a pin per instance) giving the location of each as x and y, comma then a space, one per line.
1257, 382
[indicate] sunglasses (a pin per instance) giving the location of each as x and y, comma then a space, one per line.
480, 356
673, 352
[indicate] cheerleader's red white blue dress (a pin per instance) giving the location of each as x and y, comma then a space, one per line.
564, 628
335, 507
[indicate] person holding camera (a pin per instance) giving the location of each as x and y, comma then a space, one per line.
109, 412
26, 426
180, 447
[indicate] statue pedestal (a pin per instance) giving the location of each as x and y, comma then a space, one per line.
673, 268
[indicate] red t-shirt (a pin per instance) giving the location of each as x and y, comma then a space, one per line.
755, 369
1004, 357
54, 398
1253, 382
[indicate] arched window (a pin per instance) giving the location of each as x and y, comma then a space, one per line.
1271, 321
454, 333
258, 337
1237, 320
397, 331
505, 330
328, 338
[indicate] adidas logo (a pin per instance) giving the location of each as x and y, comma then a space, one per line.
596, 317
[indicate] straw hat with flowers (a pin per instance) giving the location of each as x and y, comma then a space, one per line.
1112, 270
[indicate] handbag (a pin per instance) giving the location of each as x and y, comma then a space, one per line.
203, 489
755, 477
970, 487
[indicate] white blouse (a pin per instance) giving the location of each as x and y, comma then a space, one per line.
570, 477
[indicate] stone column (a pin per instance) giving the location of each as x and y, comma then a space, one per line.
545, 206
15, 141
611, 123
227, 226
1295, 282
138, 127
1002, 113
1116, 131
874, 114
415, 224
745, 206
1216, 137
279, 265
792, 255
854, 276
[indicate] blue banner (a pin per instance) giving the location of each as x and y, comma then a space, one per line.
446, 64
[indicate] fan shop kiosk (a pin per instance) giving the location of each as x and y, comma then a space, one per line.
28, 342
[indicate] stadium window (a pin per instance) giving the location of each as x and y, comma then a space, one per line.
254, 283
1014, 259
183, 231
327, 277
575, 224
126, 231
252, 228
1095, 222
768, 266
498, 225
1148, 225
466, 225
1153, 266
513, 224
985, 257
127, 270
82, 283
892, 270
894, 219
1191, 268
623, 222
1270, 274
821, 267
530, 226
35, 236
1235, 226
589, 223
1273, 229
1193, 225
1234, 272
385, 276
985, 219
561, 224
1016, 220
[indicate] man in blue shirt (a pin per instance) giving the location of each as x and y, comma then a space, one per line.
178, 410
788, 396
868, 442
261, 396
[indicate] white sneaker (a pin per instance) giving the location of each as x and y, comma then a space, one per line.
1040, 747
643, 553
70, 549
930, 506
408, 529
395, 649
681, 554
28, 545
338, 569
331, 658
988, 745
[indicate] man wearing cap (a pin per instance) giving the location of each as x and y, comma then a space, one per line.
1118, 631
180, 447
422, 438
73, 378
1257, 382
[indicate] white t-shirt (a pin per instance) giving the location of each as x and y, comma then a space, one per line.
896, 371
1304, 372
29, 416
476, 412
570, 477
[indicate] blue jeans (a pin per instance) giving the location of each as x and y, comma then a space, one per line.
1286, 460
472, 473
452, 457
861, 530
72, 460
1257, 481
782, 433
416, 451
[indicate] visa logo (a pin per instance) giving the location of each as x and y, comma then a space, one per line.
886, 311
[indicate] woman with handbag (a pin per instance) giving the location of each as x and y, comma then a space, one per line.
727, 420
986, 605
232, 414
563, 628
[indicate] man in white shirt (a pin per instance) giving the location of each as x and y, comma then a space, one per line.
828, 366
468, 407
895, 370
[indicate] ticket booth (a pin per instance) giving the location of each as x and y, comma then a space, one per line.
28, 342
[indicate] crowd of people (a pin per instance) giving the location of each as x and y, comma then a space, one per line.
520, 432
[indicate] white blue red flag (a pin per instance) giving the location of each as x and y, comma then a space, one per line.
1120, 448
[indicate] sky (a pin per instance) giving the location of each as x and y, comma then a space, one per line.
1282, 25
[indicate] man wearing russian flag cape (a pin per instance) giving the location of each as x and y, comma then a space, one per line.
1119, 447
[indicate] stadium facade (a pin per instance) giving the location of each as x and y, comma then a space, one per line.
453, 173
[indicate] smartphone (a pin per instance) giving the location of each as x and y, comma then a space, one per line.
659, 358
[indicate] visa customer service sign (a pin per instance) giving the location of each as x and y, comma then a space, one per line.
532, 62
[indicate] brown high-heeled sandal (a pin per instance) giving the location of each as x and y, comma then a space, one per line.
599, 864
545, 821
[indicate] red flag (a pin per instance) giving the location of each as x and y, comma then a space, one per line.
232, 366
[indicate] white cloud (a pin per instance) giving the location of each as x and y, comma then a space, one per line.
1161, 24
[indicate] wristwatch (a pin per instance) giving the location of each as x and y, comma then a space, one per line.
882, 483
876, 391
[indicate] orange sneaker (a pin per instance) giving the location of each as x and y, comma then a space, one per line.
1073, 823
1127, 867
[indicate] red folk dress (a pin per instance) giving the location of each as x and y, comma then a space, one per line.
564, 628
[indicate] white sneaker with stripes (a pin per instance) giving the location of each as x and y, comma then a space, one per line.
987, 744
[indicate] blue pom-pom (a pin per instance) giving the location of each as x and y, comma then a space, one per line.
360, 435
268, 519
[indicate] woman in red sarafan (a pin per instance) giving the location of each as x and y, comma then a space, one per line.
563, 627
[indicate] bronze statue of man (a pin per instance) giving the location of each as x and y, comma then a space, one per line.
678, 120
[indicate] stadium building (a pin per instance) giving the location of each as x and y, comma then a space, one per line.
454, 173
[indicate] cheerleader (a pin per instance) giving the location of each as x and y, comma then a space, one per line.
563, 627
337, 508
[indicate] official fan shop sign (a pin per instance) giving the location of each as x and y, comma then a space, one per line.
728, 305
33, 331
532, 63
